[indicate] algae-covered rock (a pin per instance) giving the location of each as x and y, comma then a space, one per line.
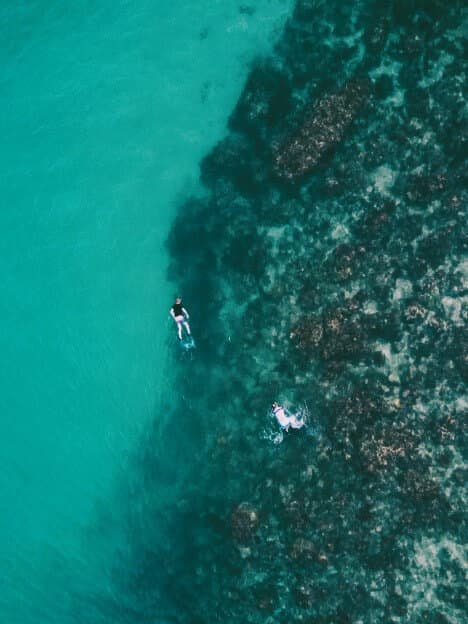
323, 128
244, 522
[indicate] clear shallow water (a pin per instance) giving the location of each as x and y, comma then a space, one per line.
106, 113
323, 264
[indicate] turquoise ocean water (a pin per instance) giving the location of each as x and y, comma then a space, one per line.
106, 111
297, 171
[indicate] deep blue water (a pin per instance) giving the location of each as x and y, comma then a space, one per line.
323, 261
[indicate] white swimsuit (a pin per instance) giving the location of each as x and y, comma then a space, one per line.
281, 416
287, 421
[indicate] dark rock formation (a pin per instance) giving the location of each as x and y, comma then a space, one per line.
263, 103
244, 522
322, 129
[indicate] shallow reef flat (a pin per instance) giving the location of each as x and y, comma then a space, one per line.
327, 260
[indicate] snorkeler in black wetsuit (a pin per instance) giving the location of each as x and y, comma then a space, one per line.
180, 316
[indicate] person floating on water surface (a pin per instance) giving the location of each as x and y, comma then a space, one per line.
180, 316
284, 420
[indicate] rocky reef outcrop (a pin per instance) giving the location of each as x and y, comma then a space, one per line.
322, 128
326, 261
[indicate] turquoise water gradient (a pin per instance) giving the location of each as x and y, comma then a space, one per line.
106, 111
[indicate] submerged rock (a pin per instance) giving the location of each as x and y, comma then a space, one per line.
307, 334
420, 488
323, 128
244, 522
384, 448
304, 594
344, 260
333, 338
266, 596
304, 550
339, 291
264, 101
344, 338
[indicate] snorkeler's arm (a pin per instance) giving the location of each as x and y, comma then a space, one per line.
186, 313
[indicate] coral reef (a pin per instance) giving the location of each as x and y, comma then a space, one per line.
322, 128
327, 259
